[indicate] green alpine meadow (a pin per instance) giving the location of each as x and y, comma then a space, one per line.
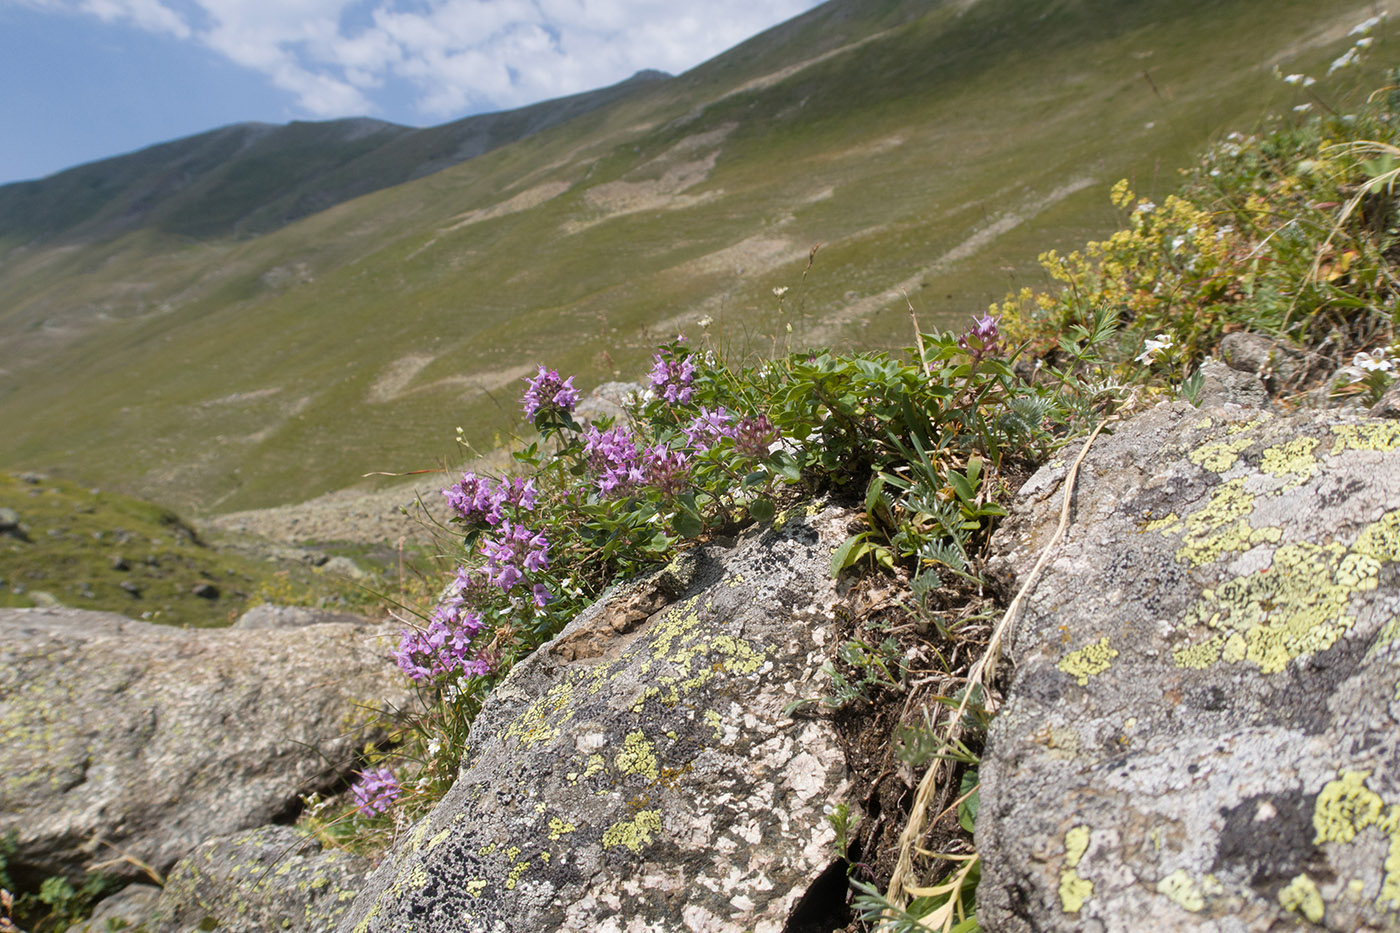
259, 315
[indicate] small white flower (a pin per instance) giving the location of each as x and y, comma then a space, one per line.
1364, 42
1294, 79
780, 291
1347, 58
1144, 207
1154, 346
434, 747
1362, 28
1177, 243
1302, 108
1309, 81
705, 321
1375, 361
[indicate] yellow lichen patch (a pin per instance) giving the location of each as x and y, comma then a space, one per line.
439, 839
1222, 527
740, 656
635, 833
411, 880
1163, 525
637, 756
476, 886
1202, 424
1074, 890
1373, 435
1301, 896
558, 827
514, 877
1088, 661
1199, 656
1292, 459
1297, 606
486, 850
512, 853
1381, 539
1186, 892
1345, 807
1219, 456
715, 722
1239, 427
543, 719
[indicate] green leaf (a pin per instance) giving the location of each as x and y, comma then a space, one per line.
961, 486
686, 525
841, 558
761, 510
967, 810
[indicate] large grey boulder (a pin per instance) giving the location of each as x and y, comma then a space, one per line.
640, 772
271, 878
1203, 729
126, 739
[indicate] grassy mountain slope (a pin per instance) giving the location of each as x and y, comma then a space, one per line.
933, 151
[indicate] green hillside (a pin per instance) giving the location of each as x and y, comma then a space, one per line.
931, 150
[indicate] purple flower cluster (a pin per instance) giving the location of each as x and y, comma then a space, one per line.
546, 392
671, 377
517, 550
375, 790
614, 458
445, 643
708, 427
982, 339
477, 498
668, 470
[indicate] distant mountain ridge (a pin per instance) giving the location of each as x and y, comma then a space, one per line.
252, 178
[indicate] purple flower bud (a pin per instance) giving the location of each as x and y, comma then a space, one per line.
753, 436
982, 339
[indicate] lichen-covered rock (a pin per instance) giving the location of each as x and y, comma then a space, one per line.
1203, 729
639, 773
271, 878
125, 738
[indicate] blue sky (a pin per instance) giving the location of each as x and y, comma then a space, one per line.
87, 79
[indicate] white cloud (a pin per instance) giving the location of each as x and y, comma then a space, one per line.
459, 55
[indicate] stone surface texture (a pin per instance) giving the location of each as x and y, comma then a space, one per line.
270, 616
639, 773
1203, 727
125, 738
271, 878
132, 908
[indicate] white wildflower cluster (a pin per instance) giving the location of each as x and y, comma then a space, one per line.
1352, 56
780, 291
1154, 347
1299, 80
